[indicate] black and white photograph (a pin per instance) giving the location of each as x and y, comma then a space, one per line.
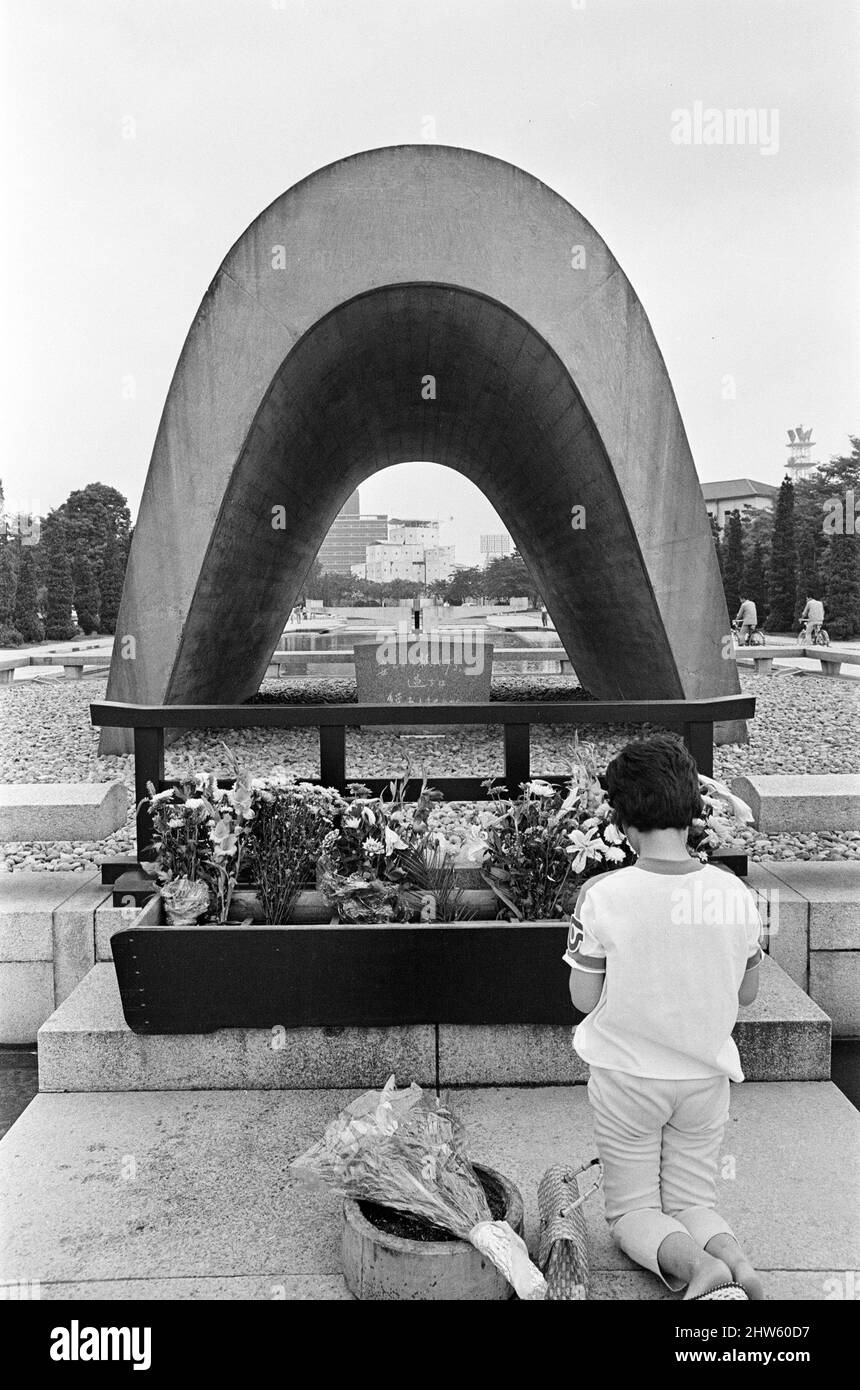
430, 671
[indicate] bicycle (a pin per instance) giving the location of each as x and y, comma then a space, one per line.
814, 635
753, 639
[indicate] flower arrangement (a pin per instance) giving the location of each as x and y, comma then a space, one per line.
199, 834
540, 847
292, 824
378, 858
383, 863
722, 814
408, 1150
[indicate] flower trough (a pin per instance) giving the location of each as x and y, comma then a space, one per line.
332, 911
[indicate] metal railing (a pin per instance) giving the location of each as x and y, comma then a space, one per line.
694, 719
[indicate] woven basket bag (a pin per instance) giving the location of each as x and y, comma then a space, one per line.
563, 1253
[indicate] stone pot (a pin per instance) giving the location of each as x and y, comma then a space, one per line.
377, 1265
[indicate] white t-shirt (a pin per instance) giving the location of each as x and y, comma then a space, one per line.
675, 939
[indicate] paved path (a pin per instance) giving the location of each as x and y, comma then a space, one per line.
188, 1194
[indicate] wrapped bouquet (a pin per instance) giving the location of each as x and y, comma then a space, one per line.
406, 1150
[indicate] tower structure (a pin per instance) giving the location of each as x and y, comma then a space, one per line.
800, 462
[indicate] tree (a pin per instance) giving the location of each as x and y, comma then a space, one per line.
828, 484
755, 579
782, 580
463, 584
26, 618
87, 596
718, 544
810, 583
92, 514
8, 581
733, 562
58, 610
508, 577
113, 577
842, 602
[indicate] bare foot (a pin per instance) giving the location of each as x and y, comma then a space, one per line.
707, 1275
727, 1249
748, 1278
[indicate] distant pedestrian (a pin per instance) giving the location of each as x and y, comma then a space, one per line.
544, 616
747, 620
812, 616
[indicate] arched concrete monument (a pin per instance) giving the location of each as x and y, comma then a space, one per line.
420, 302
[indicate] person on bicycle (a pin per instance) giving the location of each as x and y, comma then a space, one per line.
812, 617
747, 620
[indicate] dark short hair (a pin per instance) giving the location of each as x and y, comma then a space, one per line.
653, 784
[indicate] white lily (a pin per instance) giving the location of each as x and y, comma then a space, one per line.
739, 808
583, 847
571, 801
540, 788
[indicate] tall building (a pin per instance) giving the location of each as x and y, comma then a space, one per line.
350, 534
733, 494
495, 547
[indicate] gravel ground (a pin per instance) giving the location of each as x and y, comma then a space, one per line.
803, 724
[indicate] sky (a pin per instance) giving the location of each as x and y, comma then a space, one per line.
140, 138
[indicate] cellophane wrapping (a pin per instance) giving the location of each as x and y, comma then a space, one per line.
407, 1150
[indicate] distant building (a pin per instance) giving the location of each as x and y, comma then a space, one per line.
395, 560
495, 547
733, 494
350, 534
405, 532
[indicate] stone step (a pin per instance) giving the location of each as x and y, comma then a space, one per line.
187, 1195
62, 810
47, 944
86, 1045
830, 893
799, 804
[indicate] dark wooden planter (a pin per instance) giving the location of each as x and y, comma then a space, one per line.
319, 973
197, 979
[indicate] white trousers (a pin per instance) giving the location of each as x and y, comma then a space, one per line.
659, 1143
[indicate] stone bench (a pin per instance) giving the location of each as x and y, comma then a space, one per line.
789, 804
73, 664
762, 658
831, 661
62, 810
8, 667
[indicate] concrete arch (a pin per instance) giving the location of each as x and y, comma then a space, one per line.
302, 375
